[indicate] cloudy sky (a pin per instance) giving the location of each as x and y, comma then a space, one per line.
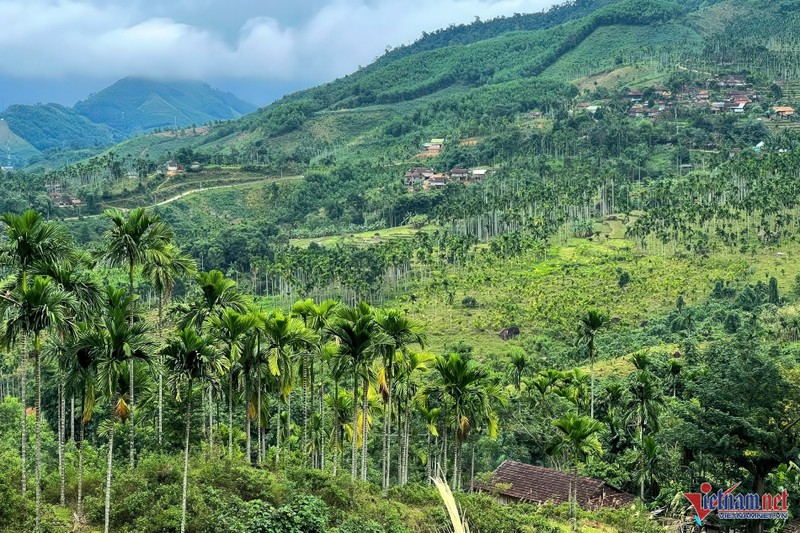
59, 50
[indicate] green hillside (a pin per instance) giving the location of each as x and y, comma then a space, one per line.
567, 239
135, 105
20, 149
55, 127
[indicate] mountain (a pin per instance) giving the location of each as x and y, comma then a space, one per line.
53, 134
135, 105
55, 127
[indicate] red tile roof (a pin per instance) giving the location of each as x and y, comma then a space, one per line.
538, 484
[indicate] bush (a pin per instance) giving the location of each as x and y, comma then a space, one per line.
308, 514
469, 302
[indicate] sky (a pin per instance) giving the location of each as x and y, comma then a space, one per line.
62, 50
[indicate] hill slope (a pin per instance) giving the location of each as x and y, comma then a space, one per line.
134, 105
55, 127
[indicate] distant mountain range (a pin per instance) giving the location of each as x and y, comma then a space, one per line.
128, 107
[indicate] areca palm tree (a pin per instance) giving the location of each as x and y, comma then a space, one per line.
43, 306
408, 366
315, 317
80, 376
216, 293
119, 342
189, 358
229, 328
284, 336
134, 240
463, 386
577, 437
360, 339
519, 362
403, 332
588, 326
71, 277
163, 269
30, 241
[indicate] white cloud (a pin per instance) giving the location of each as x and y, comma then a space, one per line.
67, 38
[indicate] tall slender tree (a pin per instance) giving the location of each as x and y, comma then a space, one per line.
163, 269
32, 312
285, 336
30, 240
190, 358
404, 333
360, 340
588, 326
134, 240
120, 342
464, 387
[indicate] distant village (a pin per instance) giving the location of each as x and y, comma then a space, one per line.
722, 94
419, 178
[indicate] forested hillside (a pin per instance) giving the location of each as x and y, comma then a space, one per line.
566, 239
61, 135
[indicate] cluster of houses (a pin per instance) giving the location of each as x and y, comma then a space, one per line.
427, 178
723, 94
59, 198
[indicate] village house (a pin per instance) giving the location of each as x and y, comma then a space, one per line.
634, 96
416, 176
703, 94
438, 181
173, 166
637, 111
732, 81
515, 482
662, 91
459, 173
783, 111
479, 174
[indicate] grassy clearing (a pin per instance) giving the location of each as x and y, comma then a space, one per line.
364, 238
545, 295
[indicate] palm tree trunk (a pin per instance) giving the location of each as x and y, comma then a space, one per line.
210, 422
278, 434
230, 418
38, 363
387, 429
160, 370
456, 465
62, 405
591, 371
80, 473
472, 468
23, 389
132, 434
364, 427
108, 473
429, 462
258, 424
406, 441
354, 448
287, 429
131, 418
305, 403
187, 425
72, 418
